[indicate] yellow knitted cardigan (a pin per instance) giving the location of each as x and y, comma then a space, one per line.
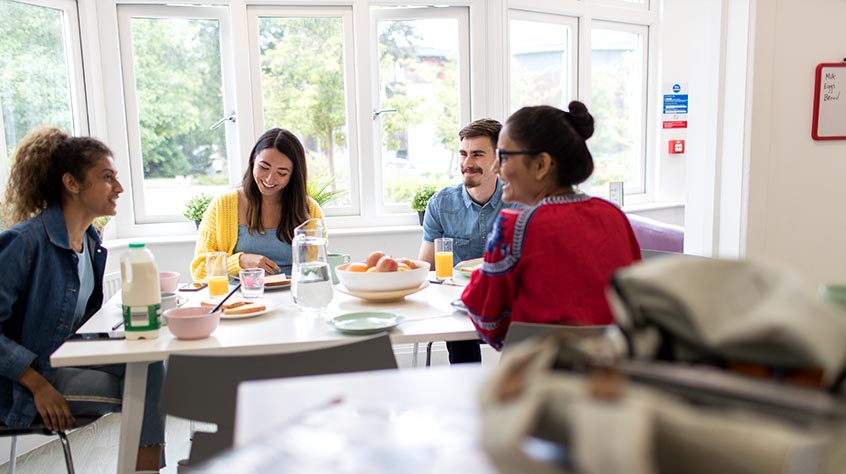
218, 232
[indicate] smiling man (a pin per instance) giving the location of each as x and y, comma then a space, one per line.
466, 211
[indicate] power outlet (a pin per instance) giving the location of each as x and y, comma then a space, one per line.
615, 192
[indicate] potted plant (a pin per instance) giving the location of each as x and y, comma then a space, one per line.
318, 189
195, 208
420, 198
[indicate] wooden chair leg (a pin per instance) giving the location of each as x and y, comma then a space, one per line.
429, 354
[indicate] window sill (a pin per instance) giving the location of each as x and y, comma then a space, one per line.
652, 206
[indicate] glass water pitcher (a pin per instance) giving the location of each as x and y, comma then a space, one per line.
311, 279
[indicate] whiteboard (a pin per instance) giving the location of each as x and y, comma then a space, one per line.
830, 102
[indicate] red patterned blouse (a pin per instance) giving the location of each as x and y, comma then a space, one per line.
549, 264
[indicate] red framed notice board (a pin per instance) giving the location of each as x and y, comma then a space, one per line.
829, 102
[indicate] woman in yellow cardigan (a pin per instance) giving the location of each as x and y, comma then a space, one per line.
255, 223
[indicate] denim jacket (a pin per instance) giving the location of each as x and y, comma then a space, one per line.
38, 292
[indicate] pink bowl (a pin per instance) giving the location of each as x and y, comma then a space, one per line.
168, 281
191, 323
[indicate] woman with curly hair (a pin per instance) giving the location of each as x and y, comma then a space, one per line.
53, 283
550, 262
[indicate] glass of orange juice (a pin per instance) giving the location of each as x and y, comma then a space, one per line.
216, 273
443, 258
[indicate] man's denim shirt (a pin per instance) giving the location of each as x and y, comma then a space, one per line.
452, 213
38, 291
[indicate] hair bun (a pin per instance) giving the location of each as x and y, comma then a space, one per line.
581, 119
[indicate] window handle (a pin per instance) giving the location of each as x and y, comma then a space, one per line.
377, 113
230, 117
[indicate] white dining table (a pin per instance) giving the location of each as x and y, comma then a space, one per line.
378, 422
427, 316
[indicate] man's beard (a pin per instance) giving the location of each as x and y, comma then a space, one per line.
473, 180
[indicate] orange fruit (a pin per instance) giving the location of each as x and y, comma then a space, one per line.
357, 267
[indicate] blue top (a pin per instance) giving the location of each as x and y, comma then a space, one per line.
38, 294
452, 213
84, 268
265, 244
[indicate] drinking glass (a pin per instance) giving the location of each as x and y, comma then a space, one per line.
216, 273
252, 282
311, 278
443, 258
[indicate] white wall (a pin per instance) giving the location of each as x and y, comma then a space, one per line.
690, 54
795, 205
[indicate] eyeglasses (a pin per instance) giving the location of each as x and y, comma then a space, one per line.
501, 153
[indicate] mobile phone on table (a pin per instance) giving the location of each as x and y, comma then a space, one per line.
97, 336
193, 286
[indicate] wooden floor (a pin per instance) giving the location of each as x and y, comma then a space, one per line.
95, 447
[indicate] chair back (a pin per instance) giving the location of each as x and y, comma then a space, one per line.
204, 388
520, 331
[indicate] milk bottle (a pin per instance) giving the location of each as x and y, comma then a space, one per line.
140, 293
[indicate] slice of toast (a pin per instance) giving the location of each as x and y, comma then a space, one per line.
230, 304
245, 309
276, 280
470, 268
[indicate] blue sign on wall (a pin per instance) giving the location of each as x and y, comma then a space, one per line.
675, 103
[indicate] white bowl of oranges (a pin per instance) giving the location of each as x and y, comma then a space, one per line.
381, 272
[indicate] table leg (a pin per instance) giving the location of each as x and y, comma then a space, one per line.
132, 414
414, 356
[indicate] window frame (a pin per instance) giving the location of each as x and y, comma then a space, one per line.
254, 12
621, 13
572, 47
462, 14
125, 13
78, 106
640, 194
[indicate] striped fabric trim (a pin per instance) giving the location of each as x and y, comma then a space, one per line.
509, 261
92, 398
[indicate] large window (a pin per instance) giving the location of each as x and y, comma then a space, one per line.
610, 76
618, 103
174, 103
376, 91
420, 108
543, 67
40, 71
303, 65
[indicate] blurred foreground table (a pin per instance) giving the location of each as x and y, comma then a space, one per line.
409, 421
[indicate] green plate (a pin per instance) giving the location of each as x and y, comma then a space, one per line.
365, 322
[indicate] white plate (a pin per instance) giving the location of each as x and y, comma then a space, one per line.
463, 268
365, 322
382, 295
267, 304
459, 305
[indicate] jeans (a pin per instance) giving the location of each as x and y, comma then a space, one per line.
98, 390
463, 352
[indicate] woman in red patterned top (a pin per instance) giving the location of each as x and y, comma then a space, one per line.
548, 263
